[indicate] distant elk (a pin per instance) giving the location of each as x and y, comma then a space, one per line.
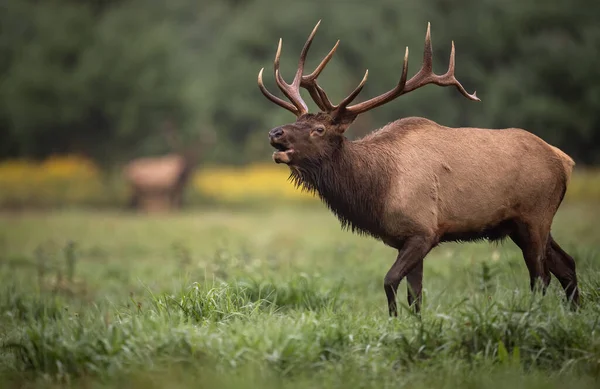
158, 183
414, 184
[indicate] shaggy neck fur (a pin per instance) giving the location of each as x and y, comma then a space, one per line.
353, 182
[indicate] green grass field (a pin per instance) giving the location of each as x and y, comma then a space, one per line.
280, 299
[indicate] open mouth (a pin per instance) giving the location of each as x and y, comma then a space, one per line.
283, 153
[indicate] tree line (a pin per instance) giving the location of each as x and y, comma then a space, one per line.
101, 77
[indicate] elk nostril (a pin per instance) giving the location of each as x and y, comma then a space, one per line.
276, 133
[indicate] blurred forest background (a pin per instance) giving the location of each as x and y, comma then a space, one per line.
99, 78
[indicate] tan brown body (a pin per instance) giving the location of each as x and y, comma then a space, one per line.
449, 188
157, 183
415, 184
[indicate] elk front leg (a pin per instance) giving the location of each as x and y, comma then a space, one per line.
409, 257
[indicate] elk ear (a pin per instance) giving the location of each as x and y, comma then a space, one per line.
317, 131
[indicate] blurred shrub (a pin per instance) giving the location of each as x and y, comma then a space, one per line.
251, 183
74, 181
64, 180
584, 186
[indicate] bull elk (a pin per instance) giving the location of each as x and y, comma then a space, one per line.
158, 183
414, 184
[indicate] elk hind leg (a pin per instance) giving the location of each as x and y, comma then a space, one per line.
562, 265
414, 287
532, 243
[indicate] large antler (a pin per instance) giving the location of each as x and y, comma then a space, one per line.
309, 82
423, 77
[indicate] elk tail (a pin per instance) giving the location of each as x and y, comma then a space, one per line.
567, 163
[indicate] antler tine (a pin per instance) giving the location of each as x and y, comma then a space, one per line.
291, 91
424, 76
344, 103
428, 52
427, 76
453, 81
321, 66
273, 98
298, 77
359, 108
309, 82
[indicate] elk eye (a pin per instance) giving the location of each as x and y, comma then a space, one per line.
319, 130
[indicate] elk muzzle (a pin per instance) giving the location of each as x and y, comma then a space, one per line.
284, 152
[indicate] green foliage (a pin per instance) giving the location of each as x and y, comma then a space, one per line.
101, 77
234, 332
248, 301
86, 81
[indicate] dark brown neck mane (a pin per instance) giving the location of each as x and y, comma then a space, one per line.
352, 182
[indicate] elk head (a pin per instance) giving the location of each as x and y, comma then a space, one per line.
313, 137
